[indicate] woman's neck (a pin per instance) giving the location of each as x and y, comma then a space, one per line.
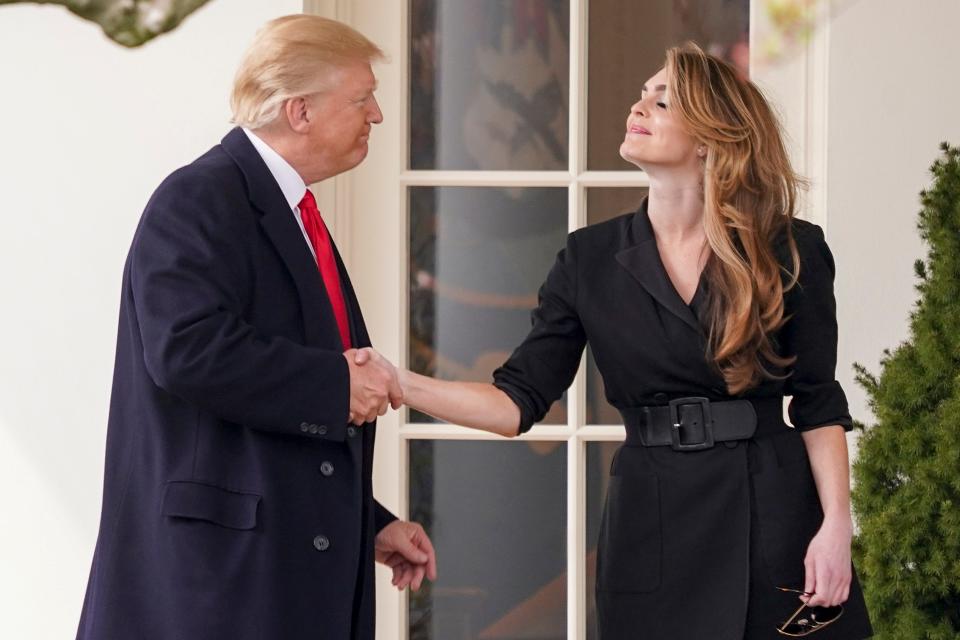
675, 212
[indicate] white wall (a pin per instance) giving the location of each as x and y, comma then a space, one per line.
88, 131
893, 97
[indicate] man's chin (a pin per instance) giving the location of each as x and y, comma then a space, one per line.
362, 149
355, 158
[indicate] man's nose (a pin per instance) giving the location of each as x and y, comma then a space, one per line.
376, 116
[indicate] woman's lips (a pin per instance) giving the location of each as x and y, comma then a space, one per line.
640, 130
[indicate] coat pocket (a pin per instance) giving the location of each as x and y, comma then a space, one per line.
629, 550
197, 501
788, 509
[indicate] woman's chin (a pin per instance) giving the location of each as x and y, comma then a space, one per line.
632, 158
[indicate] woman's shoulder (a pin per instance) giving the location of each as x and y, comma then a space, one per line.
803, 230
815, 255
808, 236
809, 233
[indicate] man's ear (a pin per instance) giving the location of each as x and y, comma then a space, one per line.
296, 111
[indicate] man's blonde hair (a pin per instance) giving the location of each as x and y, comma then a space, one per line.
292, 56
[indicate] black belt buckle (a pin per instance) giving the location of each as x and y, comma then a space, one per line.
675, 405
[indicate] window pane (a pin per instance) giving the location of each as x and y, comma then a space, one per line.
489, 84
478, 256
605, 203
599, 457
496, 513
627, 42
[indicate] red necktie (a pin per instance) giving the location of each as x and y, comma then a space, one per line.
320, 239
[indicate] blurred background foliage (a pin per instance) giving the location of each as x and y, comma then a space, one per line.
130, 23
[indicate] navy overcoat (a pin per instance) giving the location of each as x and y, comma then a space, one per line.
237, 500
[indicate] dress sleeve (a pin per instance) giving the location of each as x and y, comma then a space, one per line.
817, 398
544, 365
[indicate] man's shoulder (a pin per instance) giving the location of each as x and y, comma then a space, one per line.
212, 173
207, 194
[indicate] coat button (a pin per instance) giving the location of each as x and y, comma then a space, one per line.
304, 427
322, 429
313, 429
321, 543
326, 468
351, 431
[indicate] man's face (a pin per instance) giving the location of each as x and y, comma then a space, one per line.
341, 118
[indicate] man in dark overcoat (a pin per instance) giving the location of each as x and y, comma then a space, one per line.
237, 499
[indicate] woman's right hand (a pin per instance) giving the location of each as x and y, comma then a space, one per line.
478, 405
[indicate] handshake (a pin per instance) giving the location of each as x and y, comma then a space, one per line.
375, 384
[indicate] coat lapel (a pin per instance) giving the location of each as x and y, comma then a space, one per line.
284, 232
642, 261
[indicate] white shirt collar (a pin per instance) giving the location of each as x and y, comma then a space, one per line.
286, 176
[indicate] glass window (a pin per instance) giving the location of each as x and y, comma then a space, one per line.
497, 515
478, 256
489, 84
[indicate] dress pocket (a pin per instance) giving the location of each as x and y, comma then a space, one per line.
629, 550
788, 509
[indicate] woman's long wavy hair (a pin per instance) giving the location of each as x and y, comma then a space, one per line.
750, 196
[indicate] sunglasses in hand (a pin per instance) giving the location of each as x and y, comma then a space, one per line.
807, 620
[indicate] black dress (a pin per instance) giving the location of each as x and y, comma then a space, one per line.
692, 544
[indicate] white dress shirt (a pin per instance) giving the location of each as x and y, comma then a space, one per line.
290, 182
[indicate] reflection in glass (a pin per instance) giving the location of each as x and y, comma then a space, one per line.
478, 256
605, 203
599, 457
496, 513
489, 84
627, 42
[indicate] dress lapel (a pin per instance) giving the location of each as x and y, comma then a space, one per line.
284, 232
642, 261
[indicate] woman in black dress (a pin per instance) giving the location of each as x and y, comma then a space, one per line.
704, 308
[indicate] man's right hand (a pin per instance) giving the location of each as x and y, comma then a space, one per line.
373, 385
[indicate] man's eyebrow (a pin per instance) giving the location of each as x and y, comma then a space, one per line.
659, 87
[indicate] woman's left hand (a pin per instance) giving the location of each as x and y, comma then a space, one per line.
827, 564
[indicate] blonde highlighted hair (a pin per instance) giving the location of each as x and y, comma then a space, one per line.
750, 197
293, 56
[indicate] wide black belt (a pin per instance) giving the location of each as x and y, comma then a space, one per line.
694, 423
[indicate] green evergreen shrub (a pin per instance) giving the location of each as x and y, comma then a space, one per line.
906, 493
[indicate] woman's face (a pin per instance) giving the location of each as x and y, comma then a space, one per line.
655, 137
